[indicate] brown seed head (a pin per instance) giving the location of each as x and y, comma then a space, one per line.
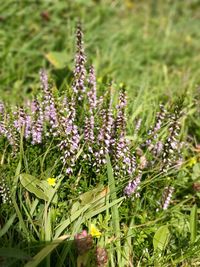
101, 257
83, 242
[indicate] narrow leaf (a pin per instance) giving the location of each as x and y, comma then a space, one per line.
91, 214
38, 258
114, 209
5, 228
193, 223
61, 227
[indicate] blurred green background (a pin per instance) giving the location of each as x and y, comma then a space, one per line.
150, 45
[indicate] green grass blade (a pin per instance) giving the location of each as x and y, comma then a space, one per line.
47, 220
34, 206
91, 214
38, 258
6, 227
21, 220
128, 247
193, 223
67, 222
114, 208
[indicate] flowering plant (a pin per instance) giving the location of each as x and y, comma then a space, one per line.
76, 136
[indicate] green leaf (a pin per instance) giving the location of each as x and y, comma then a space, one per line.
42, 254
86, 212
63, 225
127, 248
34, 186
57, 59
51, 191
5, 228
95, 197
114, 209
75, 207
92, 213
18, 169
48, 226
161, 238
193, 223
34, 206
196, 171
91, 195
20, 217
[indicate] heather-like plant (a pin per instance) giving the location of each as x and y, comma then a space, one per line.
58, 147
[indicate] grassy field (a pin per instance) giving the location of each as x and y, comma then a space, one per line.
63, 201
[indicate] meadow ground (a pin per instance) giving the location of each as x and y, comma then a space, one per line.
149, 48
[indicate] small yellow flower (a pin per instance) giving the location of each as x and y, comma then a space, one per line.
51, 181
192, 161
94, 231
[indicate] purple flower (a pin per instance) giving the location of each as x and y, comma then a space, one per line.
80, 60
38, 122
10, 133
20, 120
23, 121
44, 80
28, 126
167, 195
89, 129
121, 117
104, 138
92, 98
2, 108
4, 191
50, 112
70, 144
132, 186
171, 147
120, 144
158, 147
138, 125
152, 133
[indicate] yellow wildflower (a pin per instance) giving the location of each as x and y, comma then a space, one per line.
51, 181
94, 231
192, 161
